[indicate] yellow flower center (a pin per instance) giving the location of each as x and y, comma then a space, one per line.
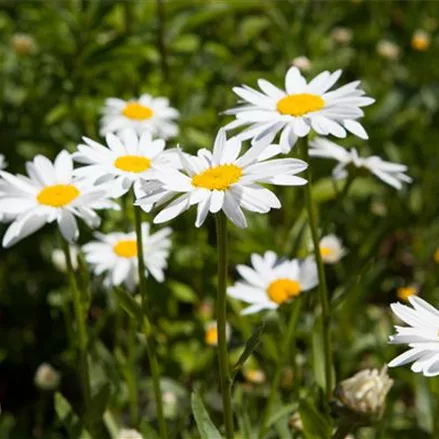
281, 290
420, 42
58, 195
136, 111
126, 248
255, 376
211, 336
132, 163
300, 104
219, 177
325, 251
405, 292
436, 256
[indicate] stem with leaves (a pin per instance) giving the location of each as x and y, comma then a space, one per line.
147, 328
323, 290
282, 359
80, 310
221, 311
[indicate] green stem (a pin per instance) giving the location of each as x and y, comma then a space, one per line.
131, 373
81, 327
323, 291
221, 311
152, 355
283, 357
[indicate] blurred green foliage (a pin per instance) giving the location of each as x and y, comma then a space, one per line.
59, 60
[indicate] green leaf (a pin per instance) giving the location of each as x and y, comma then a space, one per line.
129, 304
318, 361
98, 404
62, 407
281, 412
57, 113
315, 424
250, 346
182, 292
206, 428
423, 404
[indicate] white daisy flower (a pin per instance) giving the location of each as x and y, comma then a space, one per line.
421, 336
298, 109
50, 193
143, 114
116, 255
271, 282
211, 333
126, 160
331, 249
391, 173
219, 180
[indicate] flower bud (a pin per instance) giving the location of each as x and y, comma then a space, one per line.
342, 35
387, 49
365, 393
302, 63
23, 44
46, 377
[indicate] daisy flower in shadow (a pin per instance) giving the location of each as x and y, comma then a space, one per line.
222, 180
421, 335
125, 160
116, 255
271, 282
298, 108
143, 114
50, 193
394, 174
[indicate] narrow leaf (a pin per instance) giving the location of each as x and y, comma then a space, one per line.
98, 404
206, 428
315, 424
250, 346
129, 304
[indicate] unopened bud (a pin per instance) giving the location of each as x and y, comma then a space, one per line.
365, 393
46, 377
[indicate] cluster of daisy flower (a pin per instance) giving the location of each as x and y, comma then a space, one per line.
56, 192
231, 177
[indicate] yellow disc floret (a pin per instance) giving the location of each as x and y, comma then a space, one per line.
132, 163
136, 111
404, 293
300, 104
281, 290
58, 195
126, 248
218, 178
325, 251
211, 336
